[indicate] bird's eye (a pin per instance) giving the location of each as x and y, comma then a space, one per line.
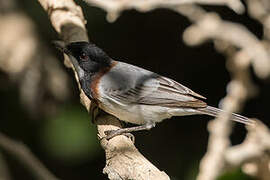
83, 57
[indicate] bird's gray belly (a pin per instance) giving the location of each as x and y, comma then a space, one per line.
141, 114
136, 114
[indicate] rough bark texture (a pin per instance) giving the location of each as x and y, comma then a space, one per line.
123, 160
243, 50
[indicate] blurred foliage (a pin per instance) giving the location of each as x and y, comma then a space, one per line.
66, 141
70, 136
192, 171
235, 175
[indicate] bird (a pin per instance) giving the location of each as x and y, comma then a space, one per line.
133, 94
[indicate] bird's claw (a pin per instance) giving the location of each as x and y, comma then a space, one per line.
112, 133
130, 136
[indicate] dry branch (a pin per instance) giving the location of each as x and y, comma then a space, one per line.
4, 171
123, 160
22, 59
228, 38
252, 153
260, 10
213, 163
24, 155
115, 7
255, 145
211, 26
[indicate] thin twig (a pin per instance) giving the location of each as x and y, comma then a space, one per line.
4, 171
25, 156
213, 163
228, 38
114, 8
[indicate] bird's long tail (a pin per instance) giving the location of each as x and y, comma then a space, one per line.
212, 111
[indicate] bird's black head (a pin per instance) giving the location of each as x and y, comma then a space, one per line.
90, 58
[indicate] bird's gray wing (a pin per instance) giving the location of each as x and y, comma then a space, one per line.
127, 84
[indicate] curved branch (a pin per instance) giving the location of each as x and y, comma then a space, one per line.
4, 171
228, 37
22, 153
114, 8
123, 160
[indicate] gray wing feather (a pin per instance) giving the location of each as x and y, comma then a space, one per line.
129, 84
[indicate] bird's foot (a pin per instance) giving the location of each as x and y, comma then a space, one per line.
112, 133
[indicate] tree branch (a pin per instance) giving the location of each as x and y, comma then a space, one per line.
123, 160
228, 38
24, 155
115, 7
213, 163
4, 171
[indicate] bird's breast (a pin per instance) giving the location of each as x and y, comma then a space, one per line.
95, 81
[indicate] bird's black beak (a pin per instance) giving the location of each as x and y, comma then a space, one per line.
60, 45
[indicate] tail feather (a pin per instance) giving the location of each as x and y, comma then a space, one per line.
212, 111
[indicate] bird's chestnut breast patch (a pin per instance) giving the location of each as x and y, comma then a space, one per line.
95, 82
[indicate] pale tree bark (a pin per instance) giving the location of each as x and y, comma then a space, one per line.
243, 49
22, 55
123, 160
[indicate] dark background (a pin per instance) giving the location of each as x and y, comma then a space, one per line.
66, 140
